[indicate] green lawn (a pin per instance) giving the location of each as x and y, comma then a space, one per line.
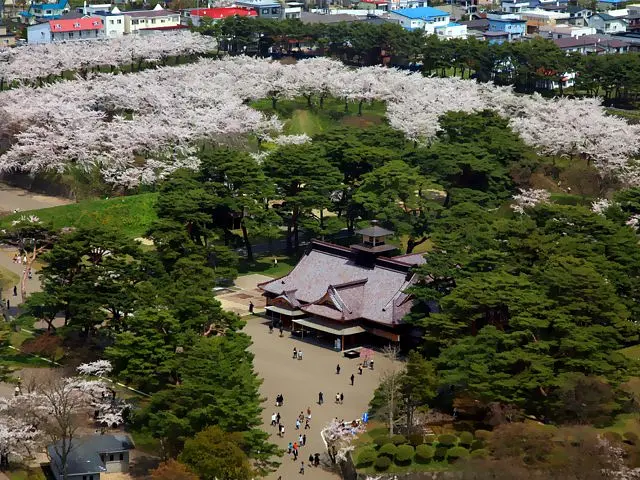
131, 215
8, 279
14, 358
265, 265
632, 352
26, 473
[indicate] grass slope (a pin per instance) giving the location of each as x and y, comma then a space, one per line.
131, 215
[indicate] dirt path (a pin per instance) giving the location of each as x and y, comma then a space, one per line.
300, 381
12, 198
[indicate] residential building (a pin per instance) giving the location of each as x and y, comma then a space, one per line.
578, 15
514, 6
609, 4
44, 11
633, 22
92, 456
478, 24
92, 9
193, 16
346, 296
6, 39
538, 18
431, 20
495, 38
565, 31
605, 23
136, 21
592, 44
65, 30
272, 9
114, 22
509, 23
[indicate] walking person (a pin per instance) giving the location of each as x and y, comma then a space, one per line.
290, 448
304, 440
353, 377
271, 328
295, 353
274, 420
278, 418
251, 307
337, 398
299, 354
359, 369
310, 459
338, 369
8, 304
282, 431
297, 424
320, 398
281, 334
309, 413
341, 398
316, 459
300, 440
301, 468
15, 290
306, 424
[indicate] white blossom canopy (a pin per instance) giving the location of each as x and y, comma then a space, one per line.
137, 128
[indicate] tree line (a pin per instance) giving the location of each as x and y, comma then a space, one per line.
528, 66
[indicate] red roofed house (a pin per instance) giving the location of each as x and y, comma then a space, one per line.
346, 296
65, 30
194, 15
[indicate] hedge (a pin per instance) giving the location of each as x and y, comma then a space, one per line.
477, 445
480, 453
430, 438
424, 453
441, 453
404, 454
366, 457
630, 437
447, 440
381, 440
398, 439
416, 439
382, 463
388, 449
466, 438
482, 434
455, 453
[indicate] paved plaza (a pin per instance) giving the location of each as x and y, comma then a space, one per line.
300, 381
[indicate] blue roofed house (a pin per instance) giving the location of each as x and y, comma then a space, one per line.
92, 456
507, 23
431, 20
44, 11
605, 23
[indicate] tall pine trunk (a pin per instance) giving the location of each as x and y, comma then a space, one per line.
247, 243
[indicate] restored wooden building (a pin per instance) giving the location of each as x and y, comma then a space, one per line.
346, 296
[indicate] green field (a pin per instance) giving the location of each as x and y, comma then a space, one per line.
131, 215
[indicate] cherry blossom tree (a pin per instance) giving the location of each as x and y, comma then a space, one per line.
529, 198
339, 436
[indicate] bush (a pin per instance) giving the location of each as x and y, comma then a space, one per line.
382, 462
455, 453
441, 453
416, 439
430, 438
404, 454
480, 453
630, 438
482, 434
424, 453
477, 445
447, 440
381, 440
466, 438
366, 457
388, 449
399, 439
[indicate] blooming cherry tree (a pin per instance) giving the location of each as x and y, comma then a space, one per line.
529, 198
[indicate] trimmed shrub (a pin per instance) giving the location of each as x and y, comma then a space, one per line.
441, 453
480, 453
466, 438
613, 437
388, 449
630, 438
430, 438
447, 440
455, 453
398, 439
482, 434
382, 462
366, 457
381, 440
424, 453
477, 445
404, 454
416, 439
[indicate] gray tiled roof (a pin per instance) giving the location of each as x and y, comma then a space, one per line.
374, 231
379, 299
84, 457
